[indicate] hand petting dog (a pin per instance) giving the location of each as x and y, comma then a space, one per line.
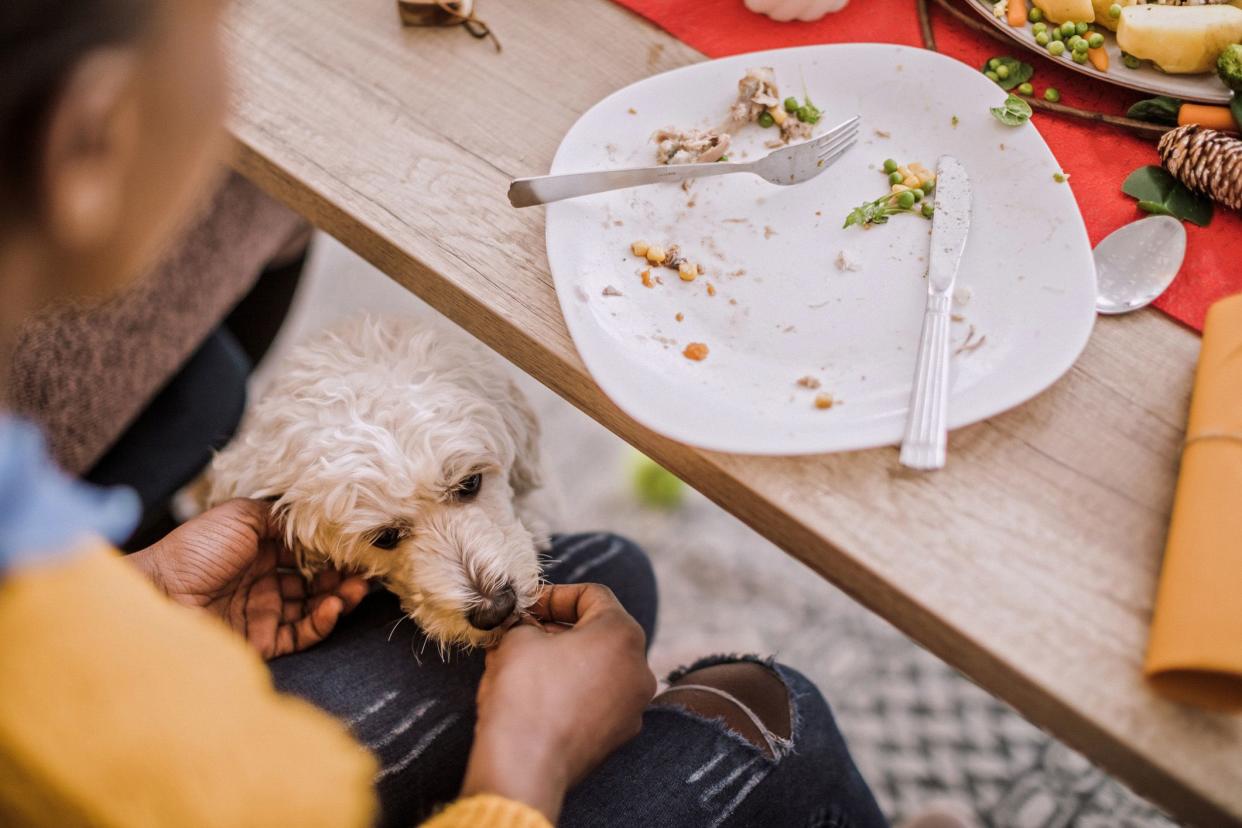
231, 562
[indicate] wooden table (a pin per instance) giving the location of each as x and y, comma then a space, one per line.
1029, 563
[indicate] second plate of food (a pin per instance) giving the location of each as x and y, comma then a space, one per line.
796, 334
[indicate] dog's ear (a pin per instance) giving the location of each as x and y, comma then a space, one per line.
523, 428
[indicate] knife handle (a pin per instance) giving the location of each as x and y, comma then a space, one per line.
923, 446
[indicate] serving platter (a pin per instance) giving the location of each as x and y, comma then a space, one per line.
788, 293
1204, 88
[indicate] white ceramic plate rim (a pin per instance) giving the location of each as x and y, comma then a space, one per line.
1043, 374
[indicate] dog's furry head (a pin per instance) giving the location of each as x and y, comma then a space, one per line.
402, 451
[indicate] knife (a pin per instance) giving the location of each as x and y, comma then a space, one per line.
923, 446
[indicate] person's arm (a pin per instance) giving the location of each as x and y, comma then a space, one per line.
119, 708
555, 700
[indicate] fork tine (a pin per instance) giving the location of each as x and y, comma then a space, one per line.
826, 148
829, 160
847, 124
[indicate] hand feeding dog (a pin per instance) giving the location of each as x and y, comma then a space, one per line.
402, 451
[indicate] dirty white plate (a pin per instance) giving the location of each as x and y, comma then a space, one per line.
1203, 88
782, 309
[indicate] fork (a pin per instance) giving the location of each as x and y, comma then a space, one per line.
787, 165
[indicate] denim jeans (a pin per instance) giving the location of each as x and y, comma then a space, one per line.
415, 712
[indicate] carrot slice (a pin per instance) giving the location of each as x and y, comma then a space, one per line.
1099, 58
1016, 13
1205, 115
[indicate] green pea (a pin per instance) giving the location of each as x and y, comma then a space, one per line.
994, 62
905, 199
1055, 33
895, 177
1080, 57
1130, 61
1042, 38
807, 114
1079, 45
992, 76
1040, 26
765, 119
890, 166
1051, 94
791, 104
918, 194
1082, 28
1002, 71
928, 209
1068, 28
1114, 11
928, 186
1096, 40
1056, 48
1026, 89
1035, 15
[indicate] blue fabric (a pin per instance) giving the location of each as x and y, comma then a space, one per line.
43, 511
415, 712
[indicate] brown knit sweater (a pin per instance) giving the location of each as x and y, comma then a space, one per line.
85, 371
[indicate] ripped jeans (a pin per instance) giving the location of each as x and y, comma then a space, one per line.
416, 714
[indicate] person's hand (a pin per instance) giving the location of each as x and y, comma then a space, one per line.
555, 700
231, 562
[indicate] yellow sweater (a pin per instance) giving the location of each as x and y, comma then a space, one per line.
118, 708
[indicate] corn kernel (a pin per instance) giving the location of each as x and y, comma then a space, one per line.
639, 248
898, 188
655, 254
778, 114
824, 401
920, 170
905, 171
688, 271
646, 276
911, 181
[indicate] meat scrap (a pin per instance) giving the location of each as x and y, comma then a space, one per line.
689, 146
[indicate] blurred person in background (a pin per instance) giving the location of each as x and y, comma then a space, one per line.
134, 689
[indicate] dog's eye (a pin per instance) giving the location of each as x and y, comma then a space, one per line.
387, 538
468, 488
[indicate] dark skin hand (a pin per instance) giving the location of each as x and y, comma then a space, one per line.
231, 562
558, 695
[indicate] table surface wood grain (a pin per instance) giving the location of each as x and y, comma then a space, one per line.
1029, 563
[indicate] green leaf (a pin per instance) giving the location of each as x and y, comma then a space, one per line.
1019, 72
1015, 112
1159, 110
1157, 191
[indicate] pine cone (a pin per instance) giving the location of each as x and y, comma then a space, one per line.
1206, 161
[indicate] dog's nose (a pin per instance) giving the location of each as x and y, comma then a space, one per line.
494, 610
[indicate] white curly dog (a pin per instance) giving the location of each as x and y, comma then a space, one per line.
403, 451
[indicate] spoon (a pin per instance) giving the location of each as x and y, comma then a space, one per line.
1136, 262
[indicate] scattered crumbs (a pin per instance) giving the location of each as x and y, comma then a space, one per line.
646, 274
883, 133
768, 232
665, 341
970, 344
761, 200
741, 271
732, 301
954, 120
609, 290
818, 213
680, 317
692, 202
957, 317
1060, 177
685, 186
789, 329
1002, 147
735, 221
632, 111
962, 295
611, 149
824, 401
659, 281
581, 294
846, 260
696, 351
900, 67
618, 223
807, 382
820, 305
711, 289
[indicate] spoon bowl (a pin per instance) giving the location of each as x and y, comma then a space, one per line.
1135, 263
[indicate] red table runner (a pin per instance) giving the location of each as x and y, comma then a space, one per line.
1097, 157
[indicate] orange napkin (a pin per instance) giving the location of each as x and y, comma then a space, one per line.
1195, 652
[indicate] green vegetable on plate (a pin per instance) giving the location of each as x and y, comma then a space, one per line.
1056, 48
1229, 67
1007, 72
765, 119
1014, 112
